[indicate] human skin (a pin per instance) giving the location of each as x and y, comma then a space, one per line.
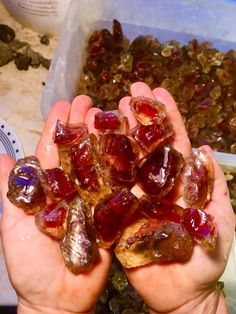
34, 262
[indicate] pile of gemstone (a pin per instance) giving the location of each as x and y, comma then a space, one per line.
92, 200
201, 79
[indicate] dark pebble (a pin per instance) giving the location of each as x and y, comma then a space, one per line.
22, 61
7, 34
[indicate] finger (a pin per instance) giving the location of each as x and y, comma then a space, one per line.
79, 108
126, 110
141, 89
181, 140
10, 212
47, 151
89, 120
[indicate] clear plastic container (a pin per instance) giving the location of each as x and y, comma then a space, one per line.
212, 20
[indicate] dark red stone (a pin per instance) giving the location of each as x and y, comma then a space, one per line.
58, 185
112, 214
158, 171
66, 133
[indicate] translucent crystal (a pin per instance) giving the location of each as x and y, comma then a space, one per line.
58, 184
148, 111
112, 214
119, 158
78, 247
111, 121
147, 241
157, 172
197, 177
152, 208
86, 169
201, 226
51, 220
66, 135
24, 185
151, 136
117, 32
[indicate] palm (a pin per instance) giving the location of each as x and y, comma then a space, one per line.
35, 264
170, 286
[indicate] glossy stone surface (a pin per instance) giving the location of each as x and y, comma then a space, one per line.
198, 179
201, 226
51, 220
147, 111
58, 184
86, 169
147, 241
201, 78
151, 136
24, 185
112, 214
158, 171
119, 156
152, 208
78, 246
66, 135
110, 121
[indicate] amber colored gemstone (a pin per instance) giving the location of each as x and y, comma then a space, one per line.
150, 136
51, 220
68, 133
58, 185
110, 121
112, 214
117, 32
78, 247
158, 171
147, 241
148, 111
201, 226
119, 155
152, 208
197, 176
24, 184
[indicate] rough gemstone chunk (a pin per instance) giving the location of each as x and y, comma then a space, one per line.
151, 136
111, 121
86, 169
51, 220
147, 241
201, 226
58, 184
148, 111
197, 177
112, 214
79, 247
66, 135
152, 208
119, 156
158, 171
25, 188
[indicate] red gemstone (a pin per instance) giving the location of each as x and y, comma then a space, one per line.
84, 163
148, 111
119, 157
150, 136
67, 133
53, 216
158, 171
154, 209
110, 120
112, 214
201, 226
58, 184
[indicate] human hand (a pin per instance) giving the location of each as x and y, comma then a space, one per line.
35, 265
189, 287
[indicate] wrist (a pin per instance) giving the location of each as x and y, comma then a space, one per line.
38, 309
212, 303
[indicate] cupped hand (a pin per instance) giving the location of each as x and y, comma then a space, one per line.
35, 265
191, 286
